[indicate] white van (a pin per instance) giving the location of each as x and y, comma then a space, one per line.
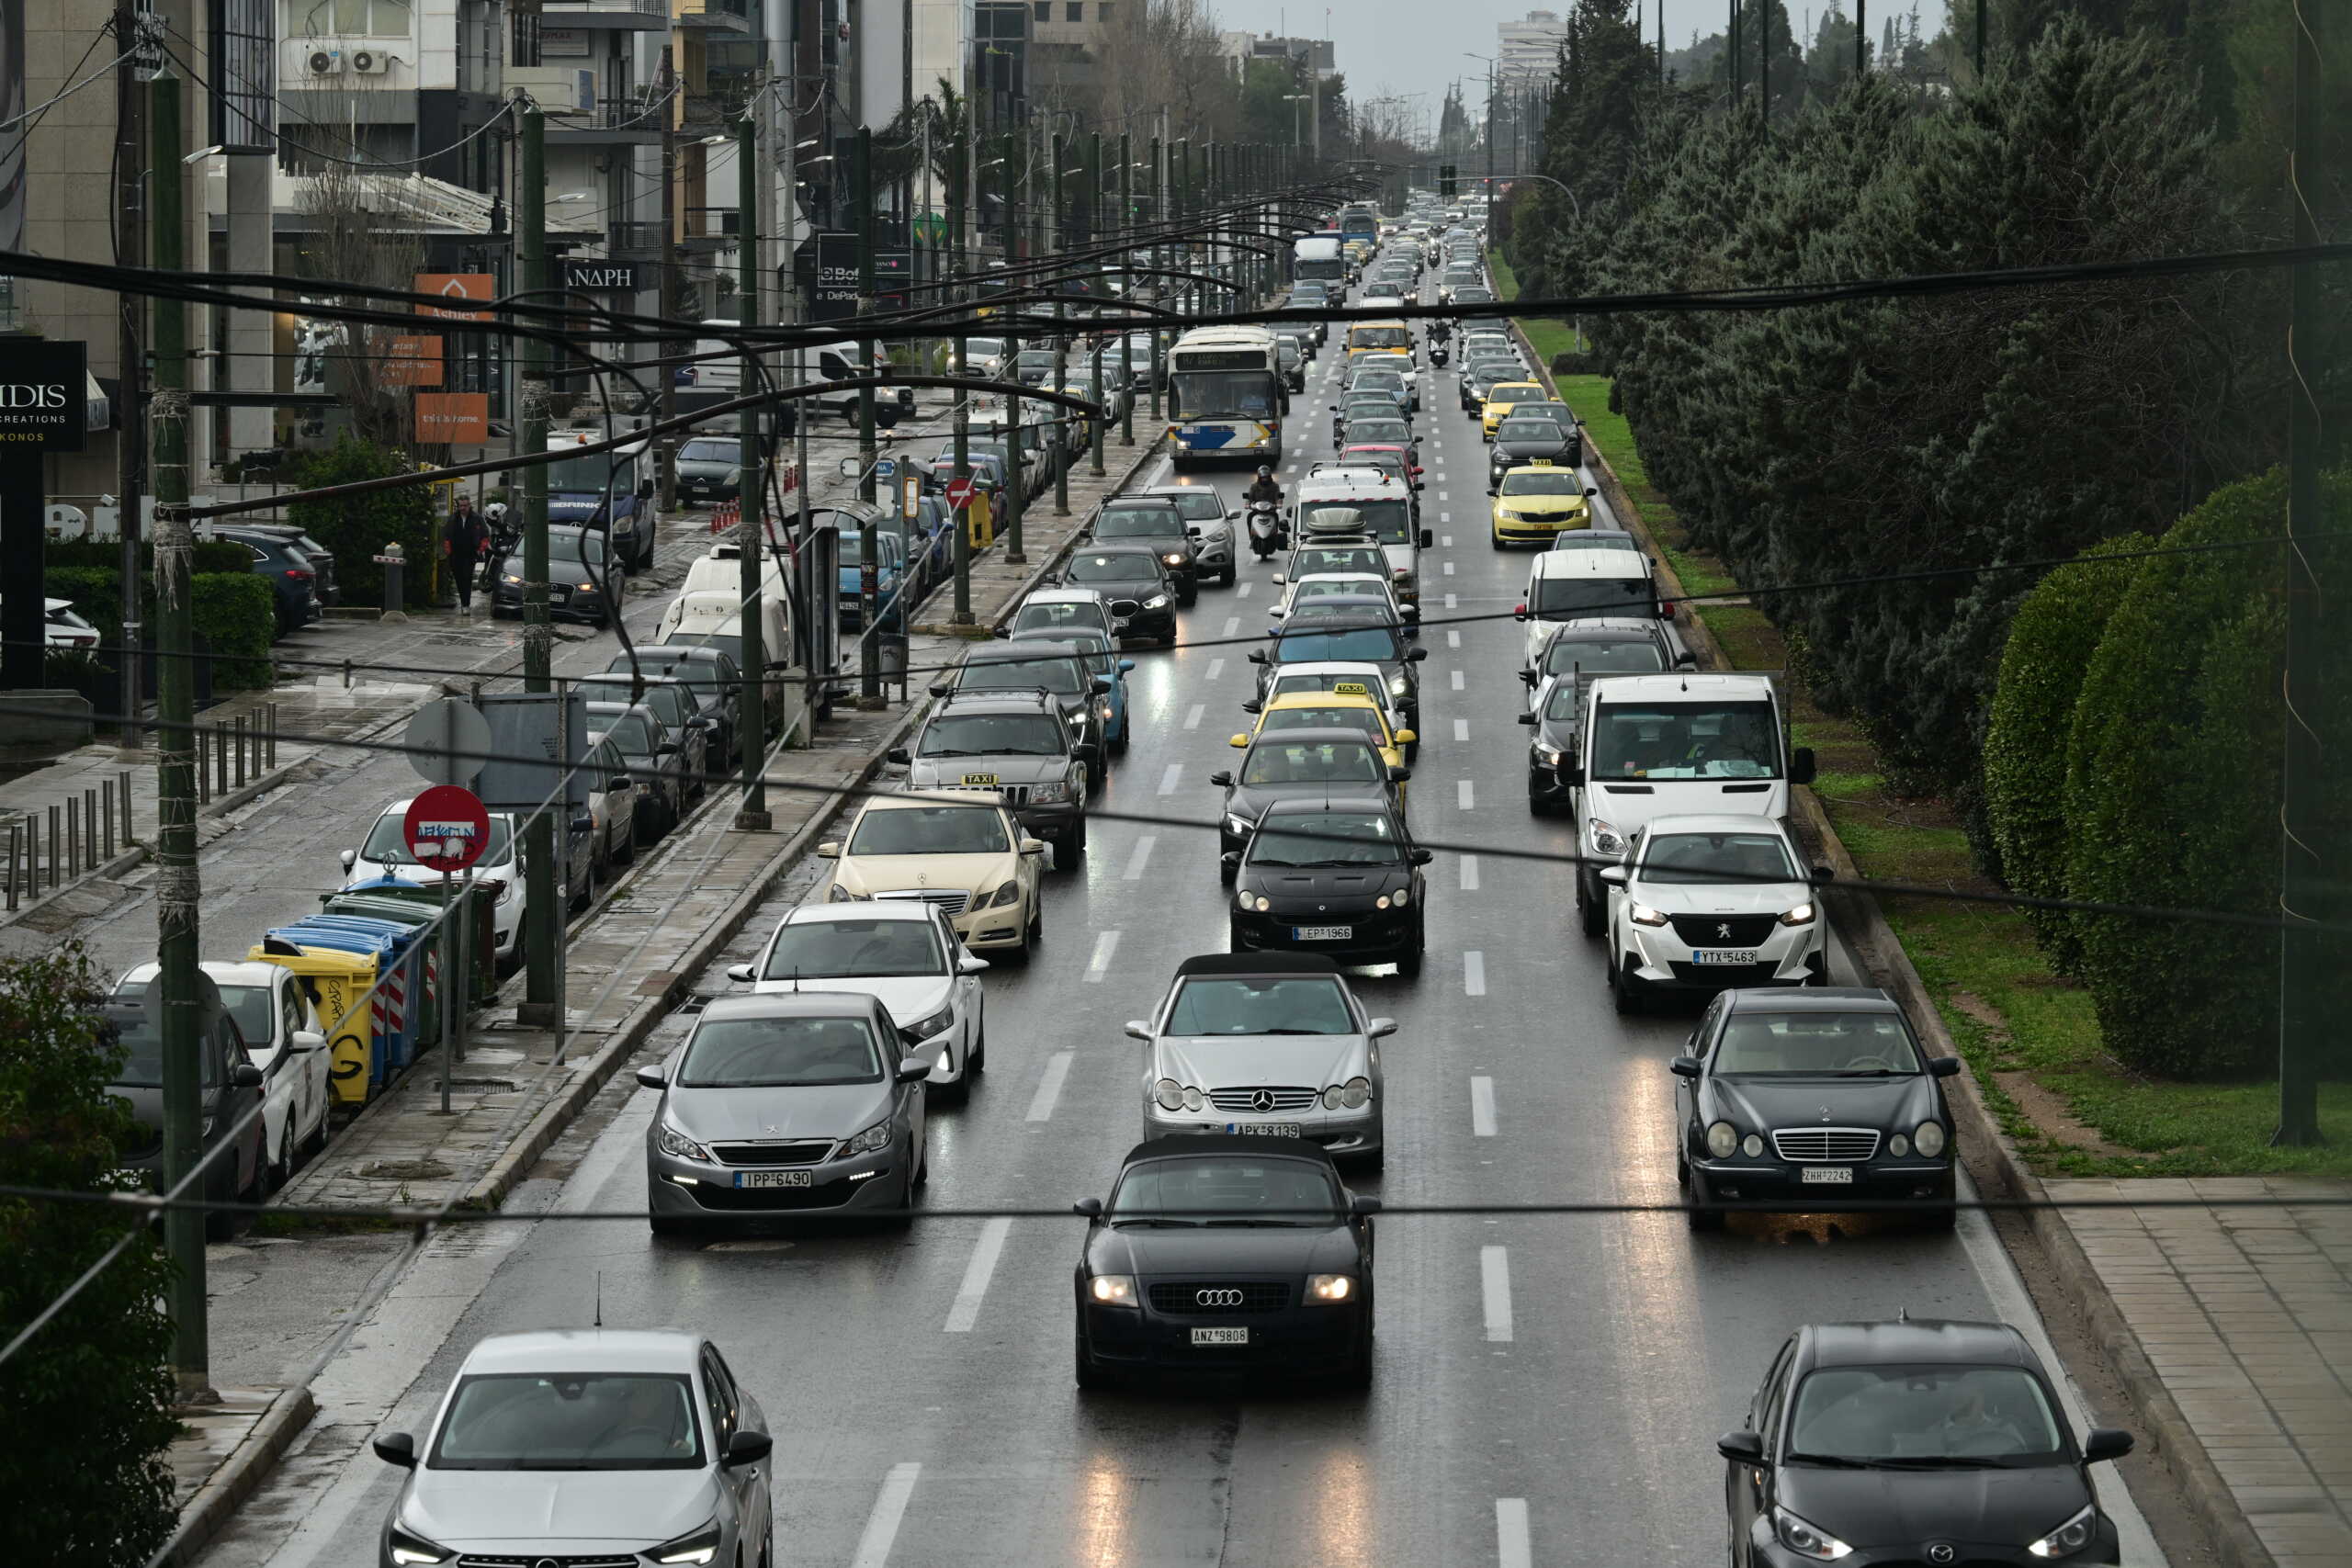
708, 613
1574, 585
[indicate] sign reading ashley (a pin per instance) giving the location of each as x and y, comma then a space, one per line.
44, 389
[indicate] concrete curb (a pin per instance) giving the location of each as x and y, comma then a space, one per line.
491, 1188
247, 1464
1997, 1165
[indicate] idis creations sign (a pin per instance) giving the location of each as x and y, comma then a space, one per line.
44, 387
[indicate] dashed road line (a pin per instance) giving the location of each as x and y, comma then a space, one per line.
1107, 944
1243, 592
1215, 669
1170, 778
890, 1507
1232, 625
1511, 1547
1465, 795
1457, 680
1049, 1088
1462, 729
1482, 1108
1139, 859
1453, 637
1448, 569
1494, 1285
1192, 715
965, 1309
1469, 871
1474, 973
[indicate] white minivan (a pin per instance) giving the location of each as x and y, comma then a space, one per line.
1574, 585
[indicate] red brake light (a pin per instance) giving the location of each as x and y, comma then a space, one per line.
1666, 609
298, 574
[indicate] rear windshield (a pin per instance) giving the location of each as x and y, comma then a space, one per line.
387, 845
1356, 645
1348, 717
1140, 523
1631, 656
1565, 598
1061, 676
929, 830
1284, 763
1056, 617
853, 949
1121, 567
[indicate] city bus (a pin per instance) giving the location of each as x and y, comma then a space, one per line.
1225, 396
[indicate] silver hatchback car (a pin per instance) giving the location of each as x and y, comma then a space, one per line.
583, 1445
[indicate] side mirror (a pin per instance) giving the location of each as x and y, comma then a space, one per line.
829, 849
618, 781
1825, 873
1943, 1067
1033, 846
1360, 1204
244, 1074
1281, 578
1801, 765
1399, 775
1616, 875
1589, 492
1139, 1029
1230, 860
1001, 631
1741, 1448
746, 1448
899, 756
348, 857
1380, 1028
1519, 612
1686, 659
1570, 771
1253, 706
583, 823
742, 972
2106, 1443
652, 1077
1530, 719
1408, 737
400, 1449
1125, 665
1222, 778
1091, 1207
1099, 686
1419, 857
912, 1070
1494, 489
1257, 656
1414, 656
1684, 1066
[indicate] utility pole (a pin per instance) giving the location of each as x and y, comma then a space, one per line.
962, 542
1127, 225
1979, 40
869, 569
1861, 34
1016, 499
130, 456
1094, 242
2307, 890
178, 980
668, 275
1731, 54
1061, 338
542, 1005
752, 722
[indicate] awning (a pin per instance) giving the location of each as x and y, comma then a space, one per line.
410, 203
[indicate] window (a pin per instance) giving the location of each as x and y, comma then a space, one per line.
1074, 12
1986, 1414
565, 1421
717, 1400
1044, 10
869, 949
780, 1052
929, 830
1869, 1045
1248, 1006
364, 19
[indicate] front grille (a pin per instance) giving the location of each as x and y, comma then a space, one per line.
1725, 975
1284, 1098
1725, 930
1014, 794
951, 900
1126, 606
1840, 1146
772, 1200
1184, 1300
804, 1152
542, 1560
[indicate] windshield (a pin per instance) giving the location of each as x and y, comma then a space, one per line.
1121, 567
1811, 1043
1357, 645
572, 544
1286, 1191
592, 474
929, 830
1061, 676
386, 844
703, 675
1511, 392
1602, 657
1532, 431
1356, 587
1720, 740
710, 452
1543, 482
885, 547
1286, 763
992, 735
1998, 1415
1379, 337
1362, 557
143, 1064
853, 949
1056, 617
1350, 717
983, 347
729, 644
1206, 505
1379, 429
254, 1007
1565, 598
569, 1421
1249, 1006
1036, 359
1386, 381
781, 1053
1717, 859
1327, 838
1218, 394
1139, 522
626, 730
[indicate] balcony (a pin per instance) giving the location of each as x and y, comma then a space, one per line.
633, 237
709, 228
716, 110
626, 120
715, 16
608, 15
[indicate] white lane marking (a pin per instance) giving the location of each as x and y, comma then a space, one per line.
1232, 625
1482, 1108
1494, 1283
890, 1507
1446, 517
1243, 592
1469, 873
966, 1310
1473, 973
1453, 637
1457, 680
1141, 857
1217, 668
1049, 1088
1442, 495
1106, 943
1192, 715
1450, 602
1511, 1547
1168, 780
1464, 796
1448, 569
1446, 539
1462, 729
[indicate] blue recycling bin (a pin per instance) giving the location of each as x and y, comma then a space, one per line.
405, 1011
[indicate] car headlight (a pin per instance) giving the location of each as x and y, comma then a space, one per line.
2070, 1536
1157, 602
1643, 915
1113, 1289
937, 1024
1800, 915
1805, 1540
1257, 901
516, 579
1397, 685
1008, 894
1752, 1145
1604, 837
1170, 1093
406, 1546
1397, 900
1928, 1137
837, 894
585, 587
1549, 756
697, 1546
671, 1140
1898, 1146
1173, 559
1723, 1138
1355, 1093
1330, 1289
1236, 823
873, 1140
1055, 794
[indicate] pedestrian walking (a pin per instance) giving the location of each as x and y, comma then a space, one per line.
462, 544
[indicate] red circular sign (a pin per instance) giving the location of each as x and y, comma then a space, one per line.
959, 492
446, 829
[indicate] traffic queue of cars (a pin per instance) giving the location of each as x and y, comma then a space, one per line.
1228, 1240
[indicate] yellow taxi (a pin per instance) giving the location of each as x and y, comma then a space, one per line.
1538, 499
1349, 704
1388, 334
1499, 399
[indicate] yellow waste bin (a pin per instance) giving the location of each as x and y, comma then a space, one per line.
338, 984
982, 519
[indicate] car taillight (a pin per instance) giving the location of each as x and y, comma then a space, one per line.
298, 574
1666, 610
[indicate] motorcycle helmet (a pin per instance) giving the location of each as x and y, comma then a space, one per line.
1264, 472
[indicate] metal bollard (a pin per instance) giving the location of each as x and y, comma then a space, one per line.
271, 741
52, 849
220, 759
203, 774
73, 839
90, 828
105, 787
15, 843
241, 750
123, 794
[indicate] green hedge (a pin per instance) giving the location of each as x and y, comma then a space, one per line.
2056, 629
235, 612
106, 554
356, 528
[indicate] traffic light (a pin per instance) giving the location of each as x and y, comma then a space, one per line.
1445, 180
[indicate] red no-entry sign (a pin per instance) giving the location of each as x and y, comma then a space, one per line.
446, 829
959, 492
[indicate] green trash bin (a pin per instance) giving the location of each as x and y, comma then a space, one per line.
418, 902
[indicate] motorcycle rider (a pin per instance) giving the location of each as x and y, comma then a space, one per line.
1266, 536
1265, 488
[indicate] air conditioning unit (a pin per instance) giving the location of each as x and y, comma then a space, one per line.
370, 61
324, 63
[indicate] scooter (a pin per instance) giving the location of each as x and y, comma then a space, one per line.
1439, 355
1267, 534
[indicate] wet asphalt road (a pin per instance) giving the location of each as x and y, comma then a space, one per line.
1547, 1388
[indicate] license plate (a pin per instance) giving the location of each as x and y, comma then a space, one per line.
775, 1179
558, 593
1725, 956
1827, 1175
1119, 623
1323, 933
1220, 1337
1264, 1129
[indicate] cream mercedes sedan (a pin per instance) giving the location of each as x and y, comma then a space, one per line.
960, 850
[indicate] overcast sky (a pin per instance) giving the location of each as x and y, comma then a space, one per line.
1398, 46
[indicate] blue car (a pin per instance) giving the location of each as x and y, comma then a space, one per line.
890, 552
1118, 723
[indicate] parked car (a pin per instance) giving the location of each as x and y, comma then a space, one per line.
285, 1038
323, 586
229, 1095
674, 703
652, 760
288, 571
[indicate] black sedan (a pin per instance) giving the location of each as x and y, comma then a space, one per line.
708, 468
1133, 581
1908, 1442
1519, 441
1229, 1255
1335, 875
579, 573
1309, 763
1798, 1100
